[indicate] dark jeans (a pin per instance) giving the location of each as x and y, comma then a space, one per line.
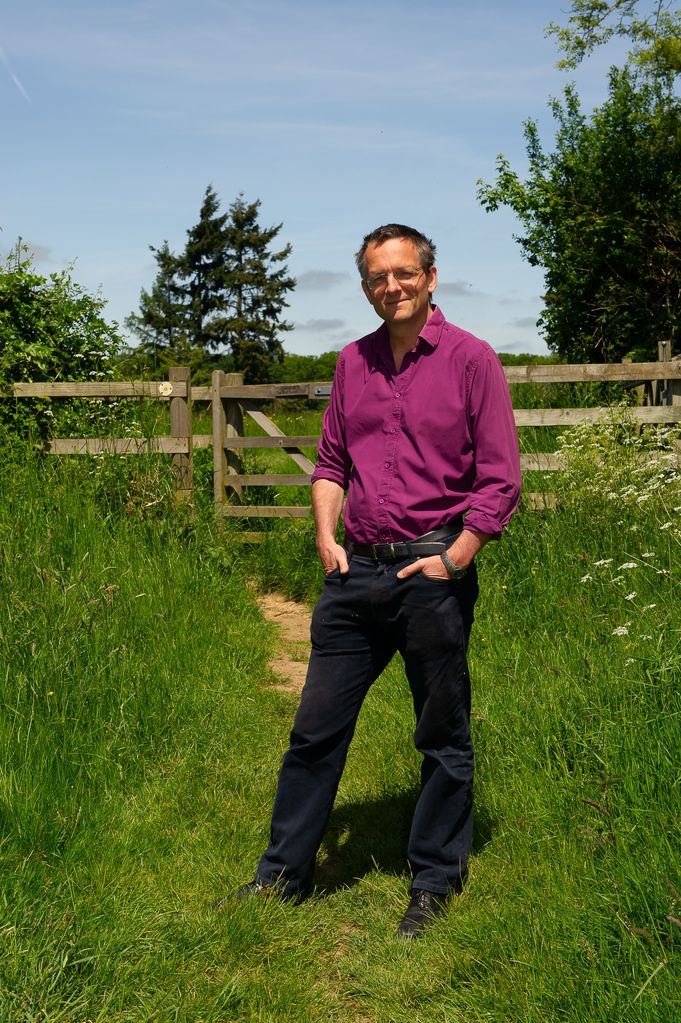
359, 622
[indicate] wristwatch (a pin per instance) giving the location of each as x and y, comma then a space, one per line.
453, 571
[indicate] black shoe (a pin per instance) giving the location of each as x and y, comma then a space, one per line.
425, 907
257, 889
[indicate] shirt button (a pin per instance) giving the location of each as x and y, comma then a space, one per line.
393, 430
381, 501
387, 465
397, 394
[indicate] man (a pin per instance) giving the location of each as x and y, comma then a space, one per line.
419, 430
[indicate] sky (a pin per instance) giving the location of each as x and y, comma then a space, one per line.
337, 116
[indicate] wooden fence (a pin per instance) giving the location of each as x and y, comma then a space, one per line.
658, 384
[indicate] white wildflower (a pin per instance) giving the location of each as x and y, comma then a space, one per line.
648, 554
645, 637
629, 660
648, 607
621, 630
603, 561
585, 578
666, 525
627, 564
631, 596
618, 578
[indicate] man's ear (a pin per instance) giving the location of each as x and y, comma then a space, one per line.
432, 281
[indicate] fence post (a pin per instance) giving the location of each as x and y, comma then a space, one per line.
234, 419
674, 386
227, 422
664, 392
219, 459
182, 465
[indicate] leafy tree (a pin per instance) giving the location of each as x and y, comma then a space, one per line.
50, 329
135, 362
602, 216
527, 359
222, 297
299, 368
653, 29
602, 213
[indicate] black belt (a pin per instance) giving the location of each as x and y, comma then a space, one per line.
434, 542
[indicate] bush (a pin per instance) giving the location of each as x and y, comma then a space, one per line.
51, 330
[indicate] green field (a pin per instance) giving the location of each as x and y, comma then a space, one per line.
140, 739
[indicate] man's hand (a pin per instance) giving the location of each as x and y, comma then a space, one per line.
462, 552
332, 556
327, 502
432, 567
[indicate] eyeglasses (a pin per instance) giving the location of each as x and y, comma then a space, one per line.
379, 282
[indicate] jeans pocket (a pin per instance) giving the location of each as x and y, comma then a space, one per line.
436, 582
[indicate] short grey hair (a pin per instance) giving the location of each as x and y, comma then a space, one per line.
425, 249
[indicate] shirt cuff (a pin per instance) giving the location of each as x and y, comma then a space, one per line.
329, 474
478, 522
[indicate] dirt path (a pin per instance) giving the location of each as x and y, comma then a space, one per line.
293, 621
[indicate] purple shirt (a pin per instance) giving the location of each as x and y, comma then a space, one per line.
416, 448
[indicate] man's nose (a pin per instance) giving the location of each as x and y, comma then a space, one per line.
392, 284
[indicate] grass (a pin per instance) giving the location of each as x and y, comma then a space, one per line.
141, 739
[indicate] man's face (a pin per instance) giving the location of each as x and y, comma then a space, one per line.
405, 303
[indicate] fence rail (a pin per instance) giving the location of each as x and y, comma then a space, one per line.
231, 400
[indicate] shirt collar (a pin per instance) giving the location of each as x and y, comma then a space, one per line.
433, 327
430, 334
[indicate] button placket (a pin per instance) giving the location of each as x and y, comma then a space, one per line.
388, 474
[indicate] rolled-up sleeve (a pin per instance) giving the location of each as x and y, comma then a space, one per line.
333, 462
496, 490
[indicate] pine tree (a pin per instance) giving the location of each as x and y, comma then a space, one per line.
161, 324
258, 282
204, 270
223, 295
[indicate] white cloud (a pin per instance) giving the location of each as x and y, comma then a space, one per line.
320, 280
40, 253
517, 347
460, 288
320, 326
524, 322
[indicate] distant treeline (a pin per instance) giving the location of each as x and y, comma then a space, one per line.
296, 368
